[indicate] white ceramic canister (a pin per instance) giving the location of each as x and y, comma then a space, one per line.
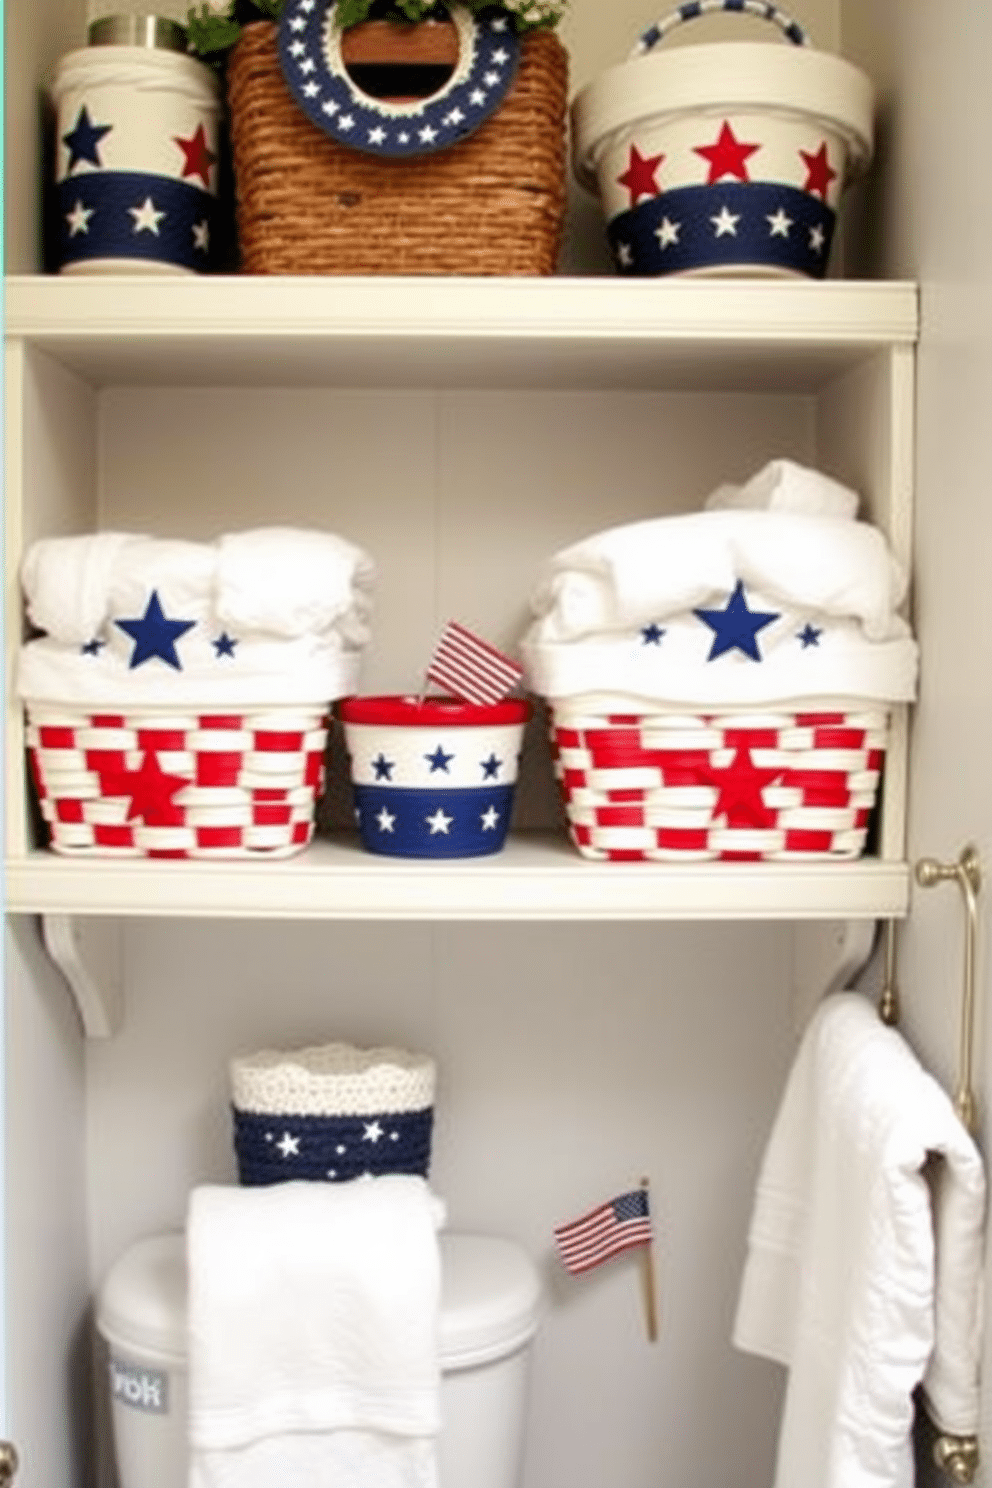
136, 162
726, 158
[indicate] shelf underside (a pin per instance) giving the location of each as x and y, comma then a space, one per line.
533, 878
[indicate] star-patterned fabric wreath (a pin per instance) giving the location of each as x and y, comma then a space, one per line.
315, 73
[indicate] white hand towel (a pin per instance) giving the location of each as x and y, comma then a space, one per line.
313, 1334
859, 1278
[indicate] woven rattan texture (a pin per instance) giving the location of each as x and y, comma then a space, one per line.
494, 204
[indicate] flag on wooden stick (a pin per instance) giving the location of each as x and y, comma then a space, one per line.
619, 1224
469, 667
616, 1225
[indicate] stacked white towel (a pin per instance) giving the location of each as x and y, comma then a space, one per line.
864, 1270
617, 612
270, 616
314, 1315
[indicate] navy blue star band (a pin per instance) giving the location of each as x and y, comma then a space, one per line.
275, 1149
129, 214
411, 823
729, 223
320, 84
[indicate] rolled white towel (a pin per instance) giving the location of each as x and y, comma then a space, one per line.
66, 583
785, 486
288, 581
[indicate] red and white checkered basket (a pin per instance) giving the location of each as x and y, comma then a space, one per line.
747, 787
164, 784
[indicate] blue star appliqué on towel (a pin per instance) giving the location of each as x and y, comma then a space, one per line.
809, 636
224, 644
439, 760
154, 635
736, 628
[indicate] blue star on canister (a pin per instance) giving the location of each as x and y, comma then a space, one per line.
433, 777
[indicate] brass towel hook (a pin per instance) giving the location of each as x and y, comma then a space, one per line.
967, 873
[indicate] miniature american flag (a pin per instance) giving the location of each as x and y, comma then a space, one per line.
471, 668
619, 1224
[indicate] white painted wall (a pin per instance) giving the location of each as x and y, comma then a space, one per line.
930, 218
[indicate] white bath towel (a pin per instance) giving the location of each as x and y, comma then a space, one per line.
269, 616
313, 1334
862, 1276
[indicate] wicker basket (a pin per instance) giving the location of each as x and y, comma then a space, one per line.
161, 784
667, 786
493, 204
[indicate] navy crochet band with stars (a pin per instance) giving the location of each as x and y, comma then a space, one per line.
275, 1149
319, 82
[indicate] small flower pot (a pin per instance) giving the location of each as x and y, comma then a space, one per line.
433, 778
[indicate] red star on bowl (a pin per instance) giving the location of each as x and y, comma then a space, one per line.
199, 157
150, 791
727, 157
639, 177
819, 172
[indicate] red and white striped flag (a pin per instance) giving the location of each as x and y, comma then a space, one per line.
618, 1224
470, 668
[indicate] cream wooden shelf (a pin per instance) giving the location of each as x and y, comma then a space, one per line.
535, 877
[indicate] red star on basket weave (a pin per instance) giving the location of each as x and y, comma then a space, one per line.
639, 177
727, 157
199, 157
150, 791
819, 172
740, 787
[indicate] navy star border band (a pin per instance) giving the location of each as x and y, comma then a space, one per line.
324, 1145
110, 197
408, 809
636, 236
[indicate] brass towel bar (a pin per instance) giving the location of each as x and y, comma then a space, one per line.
956, 1456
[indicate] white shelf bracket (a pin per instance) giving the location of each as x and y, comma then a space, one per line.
87, 951
829, 955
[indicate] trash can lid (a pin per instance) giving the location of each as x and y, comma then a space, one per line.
142, 1303
490, 1299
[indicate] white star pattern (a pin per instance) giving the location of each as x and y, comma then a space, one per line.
625, 255
311, 89
329, 107
428, 135
373, 1131
817, 238
386, 820
779, 223
377, 135
79, 219
439, 822
725, 222
490, 819
201, 236
346, 122
146, 217
288, 1145
478, 97
667, 232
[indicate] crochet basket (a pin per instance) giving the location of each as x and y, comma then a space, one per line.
331, 1113
157, 784
725, 158
306, 204
667, 786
